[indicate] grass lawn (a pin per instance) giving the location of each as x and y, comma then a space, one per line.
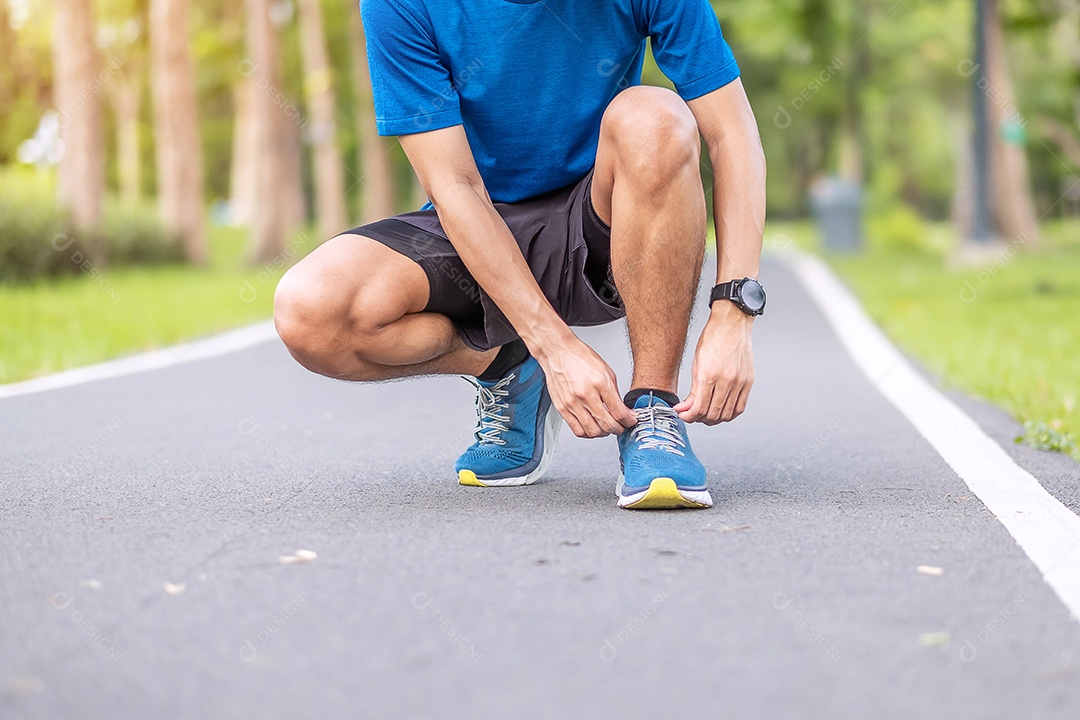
1007, 330
59, 324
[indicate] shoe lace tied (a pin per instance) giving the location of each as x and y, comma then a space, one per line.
490, 422
658, 429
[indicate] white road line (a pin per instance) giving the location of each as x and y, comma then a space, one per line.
214, 346
1044, 528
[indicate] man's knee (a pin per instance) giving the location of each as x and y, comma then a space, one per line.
322, 322
655, 133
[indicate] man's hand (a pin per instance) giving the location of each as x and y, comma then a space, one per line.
584, 389
723, 369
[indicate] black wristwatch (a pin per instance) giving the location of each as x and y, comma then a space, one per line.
746, 293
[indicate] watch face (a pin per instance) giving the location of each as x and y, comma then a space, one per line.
752, 295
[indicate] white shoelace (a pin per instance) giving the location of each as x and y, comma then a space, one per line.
490, 422
658, 429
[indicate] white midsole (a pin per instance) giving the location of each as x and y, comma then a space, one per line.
701, 497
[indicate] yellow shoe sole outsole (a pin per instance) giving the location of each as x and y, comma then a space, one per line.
468, 477
663, 494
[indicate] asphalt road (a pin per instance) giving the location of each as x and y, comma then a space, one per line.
145, 517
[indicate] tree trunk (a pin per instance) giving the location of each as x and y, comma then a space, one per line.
1013, 203
322, 132
176, 127
127, 103
377, 186
244, 163
293, 203
851, 159
77, 94
267, 222
963, 201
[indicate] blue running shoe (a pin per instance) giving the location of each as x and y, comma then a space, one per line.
516, 430
658, 470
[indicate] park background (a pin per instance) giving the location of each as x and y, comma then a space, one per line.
162, 162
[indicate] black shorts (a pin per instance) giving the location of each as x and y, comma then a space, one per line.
565, 243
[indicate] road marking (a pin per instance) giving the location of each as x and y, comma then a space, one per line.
1047, 531
210, 347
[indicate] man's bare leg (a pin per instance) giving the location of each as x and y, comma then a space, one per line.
647, 187
353, 310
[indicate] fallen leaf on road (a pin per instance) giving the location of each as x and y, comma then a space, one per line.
25, 684
570, 543
726, 529
298, 558
929, 570
174, 588
934, 639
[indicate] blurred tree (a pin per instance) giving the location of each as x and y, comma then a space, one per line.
77, 90
244, 146
243, 165
1013, 204
322, 131
268, 221
122, 37
294, 203
176, 127
7, 50
377, 184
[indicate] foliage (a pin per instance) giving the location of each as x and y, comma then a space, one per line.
37, 238
1042, 436
28, 226
79, 319
897, 229
1002, 331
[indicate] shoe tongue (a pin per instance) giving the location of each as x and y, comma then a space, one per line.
649, 400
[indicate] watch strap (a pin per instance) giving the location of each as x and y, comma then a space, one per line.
725, 291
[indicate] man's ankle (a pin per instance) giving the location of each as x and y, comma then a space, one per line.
632, 397
510, 356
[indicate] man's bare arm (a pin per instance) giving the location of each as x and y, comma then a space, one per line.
727, 123
581, 384
723, 371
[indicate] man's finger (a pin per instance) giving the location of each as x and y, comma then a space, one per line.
571, 421
686, 404
702, 399
728, 413
617, 409
720, 400
588, 423
605, 419
744, 397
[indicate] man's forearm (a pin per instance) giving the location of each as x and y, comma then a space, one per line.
738, 203
492, 256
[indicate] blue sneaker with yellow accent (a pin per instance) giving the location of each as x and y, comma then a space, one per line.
516, 429
658, 470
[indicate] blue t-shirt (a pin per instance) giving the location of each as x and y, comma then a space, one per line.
530, 80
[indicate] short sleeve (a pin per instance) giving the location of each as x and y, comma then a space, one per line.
411, 86
689, 46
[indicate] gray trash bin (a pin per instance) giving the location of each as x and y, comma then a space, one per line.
837, 205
